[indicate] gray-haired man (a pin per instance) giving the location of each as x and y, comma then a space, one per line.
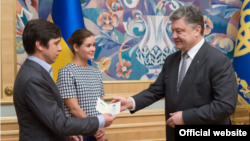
198, 81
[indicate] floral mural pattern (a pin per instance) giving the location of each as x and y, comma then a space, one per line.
133, 37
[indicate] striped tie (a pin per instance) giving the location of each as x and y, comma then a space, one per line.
183, 70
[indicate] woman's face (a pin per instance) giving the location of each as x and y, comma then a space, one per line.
87, 50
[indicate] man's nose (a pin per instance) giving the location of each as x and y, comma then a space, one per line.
59, 47
174, 35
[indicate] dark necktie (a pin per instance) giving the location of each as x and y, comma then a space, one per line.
183, 70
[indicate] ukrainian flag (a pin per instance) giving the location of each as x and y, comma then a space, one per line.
67, 14
242, 56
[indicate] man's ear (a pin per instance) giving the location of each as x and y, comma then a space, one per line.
197, 30
38, 46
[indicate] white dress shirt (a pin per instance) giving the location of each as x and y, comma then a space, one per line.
191, 54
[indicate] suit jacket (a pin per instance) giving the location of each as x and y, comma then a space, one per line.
207, 95
39, 108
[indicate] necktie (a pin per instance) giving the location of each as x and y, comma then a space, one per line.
50, 72
183, 70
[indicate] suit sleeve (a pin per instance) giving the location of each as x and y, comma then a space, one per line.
224, 91
42, 103
155, 92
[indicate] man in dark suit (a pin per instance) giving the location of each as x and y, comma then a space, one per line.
198, 81
37, 101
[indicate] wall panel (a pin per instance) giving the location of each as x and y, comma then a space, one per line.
8, 59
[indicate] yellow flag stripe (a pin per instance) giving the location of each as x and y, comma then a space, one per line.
243, 40
65, 56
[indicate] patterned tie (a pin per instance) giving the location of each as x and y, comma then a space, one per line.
183, 70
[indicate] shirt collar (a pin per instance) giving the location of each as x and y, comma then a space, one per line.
44, 64
193, 51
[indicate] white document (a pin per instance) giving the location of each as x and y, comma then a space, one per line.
103, 107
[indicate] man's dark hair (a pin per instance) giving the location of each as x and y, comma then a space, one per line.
191, 14
39, 30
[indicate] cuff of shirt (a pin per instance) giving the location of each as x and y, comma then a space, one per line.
101, 121
133, 108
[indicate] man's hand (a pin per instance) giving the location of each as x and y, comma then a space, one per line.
125, 103
102, 138
99, 133
175, 119
76, 138
108, 119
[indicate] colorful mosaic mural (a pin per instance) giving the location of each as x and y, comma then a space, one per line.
136, 33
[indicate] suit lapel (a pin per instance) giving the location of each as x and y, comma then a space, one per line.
47, 77
174, 77
193, 70
56, 95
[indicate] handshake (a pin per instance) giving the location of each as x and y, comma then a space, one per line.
125, 104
